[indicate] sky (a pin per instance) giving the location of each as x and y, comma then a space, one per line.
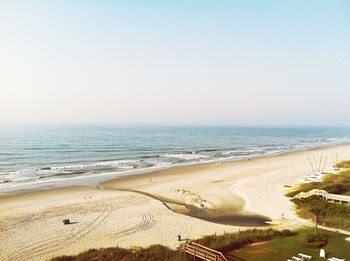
176, 62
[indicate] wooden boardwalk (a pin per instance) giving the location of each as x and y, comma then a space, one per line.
322, 194
202, 252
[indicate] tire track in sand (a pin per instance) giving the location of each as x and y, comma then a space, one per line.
147, 222
31, 218
58, 242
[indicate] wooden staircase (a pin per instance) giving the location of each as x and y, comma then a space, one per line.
202, 252
322, 194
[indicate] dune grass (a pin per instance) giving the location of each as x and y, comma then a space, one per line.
330, 214
344, 164
332, 183
152, 253
228, 242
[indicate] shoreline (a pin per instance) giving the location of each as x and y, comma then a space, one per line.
94, 181
154, 208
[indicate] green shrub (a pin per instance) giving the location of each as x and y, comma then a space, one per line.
228, 242
152, 253
330, 214
344, 164
288, 233
158, 252
316, 241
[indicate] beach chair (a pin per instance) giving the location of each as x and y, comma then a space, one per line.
304, 257
335, 259
296, 258
322, 253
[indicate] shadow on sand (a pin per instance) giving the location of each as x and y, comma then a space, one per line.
225, 216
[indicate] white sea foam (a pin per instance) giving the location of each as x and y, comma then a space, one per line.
40, 163
185, 156
94, 164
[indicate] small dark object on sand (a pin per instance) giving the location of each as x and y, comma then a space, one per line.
66, 221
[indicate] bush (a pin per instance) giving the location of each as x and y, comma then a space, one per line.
288, 233
228, 242
344, 164
316, 241
330, 214
152, 253
158, 252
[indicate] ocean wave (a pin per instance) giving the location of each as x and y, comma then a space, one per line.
24, 179
34, 148
117, 163
59, 169
185, 156
159, 160
210, 150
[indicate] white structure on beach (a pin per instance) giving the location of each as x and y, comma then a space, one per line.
322, 194
317, 168
335, 259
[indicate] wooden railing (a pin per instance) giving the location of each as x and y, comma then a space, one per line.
324, 195
202, 252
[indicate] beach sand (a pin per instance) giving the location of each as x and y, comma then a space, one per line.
138, 211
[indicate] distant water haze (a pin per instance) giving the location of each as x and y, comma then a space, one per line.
49, 156
176, 62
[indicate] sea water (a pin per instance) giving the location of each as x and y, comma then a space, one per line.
57, 155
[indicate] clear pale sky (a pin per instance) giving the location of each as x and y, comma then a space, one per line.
176, 62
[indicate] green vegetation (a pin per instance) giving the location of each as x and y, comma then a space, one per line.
344, 164
285, 248
153, 253
316, 241
330, 214
332, 183
228, 242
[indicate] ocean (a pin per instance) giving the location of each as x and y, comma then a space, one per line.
46, 156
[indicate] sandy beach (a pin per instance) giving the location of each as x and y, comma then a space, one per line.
153, 208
